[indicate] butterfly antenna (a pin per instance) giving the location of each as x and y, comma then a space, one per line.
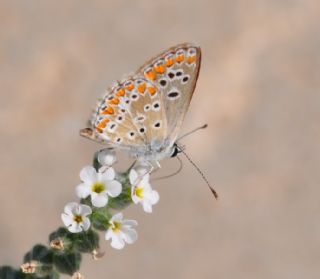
200, 172
172, 174
194, 130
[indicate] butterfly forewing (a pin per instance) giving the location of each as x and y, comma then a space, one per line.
175, 73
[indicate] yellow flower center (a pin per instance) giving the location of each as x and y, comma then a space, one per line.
139, 192
77, 218
116, 226
98, 187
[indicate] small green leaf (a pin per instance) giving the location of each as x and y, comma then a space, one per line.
64, 235
86, 242
124, 199
100, 218
96, 163
7, 272
59, 233
39, 253
67, 262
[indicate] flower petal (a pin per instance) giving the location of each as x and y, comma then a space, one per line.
117, 241
147, 207
109, 174
114, 188
117, 217
99, 200
152, 196
85, 210
70, 208
130, 223
133, 177
66, 219
86, 224
88, 175
144, 182
108, 234
83, 191
130, 235
75, 227
135, 198
142, 168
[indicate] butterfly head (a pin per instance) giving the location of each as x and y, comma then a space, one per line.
175, 150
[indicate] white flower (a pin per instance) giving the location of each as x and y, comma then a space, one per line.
75, 217
141, 191
121, 231
107, 157
99, 185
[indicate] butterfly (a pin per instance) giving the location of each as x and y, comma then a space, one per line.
143, 113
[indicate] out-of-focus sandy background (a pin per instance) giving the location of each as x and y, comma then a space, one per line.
259, 91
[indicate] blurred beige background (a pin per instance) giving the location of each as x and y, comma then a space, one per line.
258, 90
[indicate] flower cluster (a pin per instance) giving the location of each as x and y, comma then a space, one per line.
102, 190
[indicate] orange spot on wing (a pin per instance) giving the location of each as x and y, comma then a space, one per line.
108, 110
180, 58
114, 101
152, 90
191, 59
120, 92
150, 74
102, 124
141, 88
160, 68
169, 62
130, 86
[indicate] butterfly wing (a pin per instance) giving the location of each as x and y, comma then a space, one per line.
175, 73
130, 116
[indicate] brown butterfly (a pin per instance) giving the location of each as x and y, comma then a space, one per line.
143, 114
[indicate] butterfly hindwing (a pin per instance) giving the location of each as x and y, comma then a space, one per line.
131, 114
175, 73
144, 113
